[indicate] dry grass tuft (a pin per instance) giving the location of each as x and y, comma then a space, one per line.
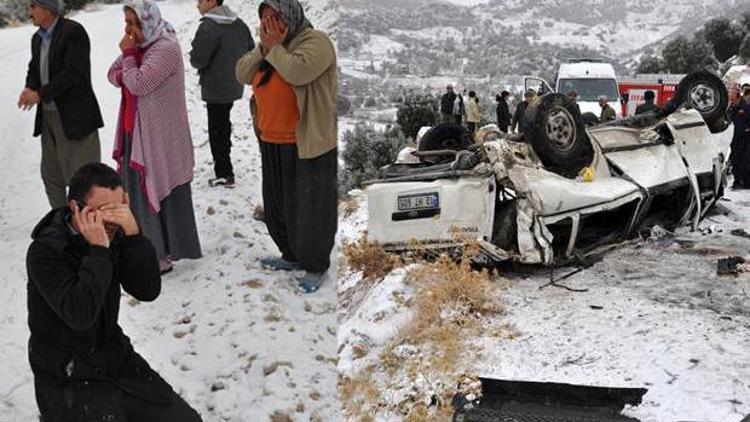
359, 395
348, 205
429, 356
369, 258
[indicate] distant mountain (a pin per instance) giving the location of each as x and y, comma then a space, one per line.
497, 38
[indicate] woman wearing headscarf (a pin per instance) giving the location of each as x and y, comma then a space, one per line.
293, 74
473, 115
153, 146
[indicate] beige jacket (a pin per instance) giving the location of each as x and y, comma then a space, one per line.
308, 63
474, 115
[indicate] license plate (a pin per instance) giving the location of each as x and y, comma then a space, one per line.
422, 201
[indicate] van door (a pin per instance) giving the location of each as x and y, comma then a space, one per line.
539, 85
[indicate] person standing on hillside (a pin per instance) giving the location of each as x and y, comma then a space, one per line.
221, 39
739, 113
446, 104
294, 78
58, 83
572, 98
459, 109
519, 115
648, 104
608, 113
474, 114
502, 112
153, 147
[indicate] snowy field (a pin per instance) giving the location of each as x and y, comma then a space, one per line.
238, 342
655, 316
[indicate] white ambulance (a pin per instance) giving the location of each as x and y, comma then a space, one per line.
589, 78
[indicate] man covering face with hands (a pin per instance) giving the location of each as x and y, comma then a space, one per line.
81, 257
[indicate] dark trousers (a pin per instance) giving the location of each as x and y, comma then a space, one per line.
104, 401
459, 119
219, 136
300, 203
472, 126
738, 159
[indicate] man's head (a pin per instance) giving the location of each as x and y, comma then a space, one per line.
205, 5
649, 96
505, 94
529, 95
449, 88
572, 95
602, 100
43, 12
95, 185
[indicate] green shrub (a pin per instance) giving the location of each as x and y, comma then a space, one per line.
415, 111
366, 150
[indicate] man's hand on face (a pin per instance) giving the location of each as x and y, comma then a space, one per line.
120, 215
127, 43
271, 33
28, 99
91, 224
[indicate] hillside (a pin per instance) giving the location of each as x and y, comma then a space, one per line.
429, 42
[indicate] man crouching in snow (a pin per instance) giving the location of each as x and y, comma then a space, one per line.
85, 368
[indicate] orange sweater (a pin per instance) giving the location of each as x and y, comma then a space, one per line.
277, 111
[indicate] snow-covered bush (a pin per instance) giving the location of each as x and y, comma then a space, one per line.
415, 111
366, 150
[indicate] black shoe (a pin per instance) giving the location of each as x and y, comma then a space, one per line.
227, 182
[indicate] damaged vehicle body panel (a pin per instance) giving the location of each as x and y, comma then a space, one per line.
420, 204
666, 169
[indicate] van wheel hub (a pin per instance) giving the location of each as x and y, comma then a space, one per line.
703, 98
561, 129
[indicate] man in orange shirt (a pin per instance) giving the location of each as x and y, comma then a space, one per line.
293, 74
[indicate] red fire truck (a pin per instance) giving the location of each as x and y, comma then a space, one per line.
633, 87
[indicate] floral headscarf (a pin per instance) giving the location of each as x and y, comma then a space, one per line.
152, 24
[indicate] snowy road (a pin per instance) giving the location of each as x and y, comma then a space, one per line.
221, 323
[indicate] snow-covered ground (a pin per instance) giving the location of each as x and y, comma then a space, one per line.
221, 323
655, 316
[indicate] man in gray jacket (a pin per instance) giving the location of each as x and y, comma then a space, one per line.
221, 39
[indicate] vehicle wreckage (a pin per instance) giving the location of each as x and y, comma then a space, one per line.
562, 190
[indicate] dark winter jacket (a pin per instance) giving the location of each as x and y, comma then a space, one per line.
503, 114
446, 102
221, 39
74, 302
645, 107
70, 80
518, 116
739, 115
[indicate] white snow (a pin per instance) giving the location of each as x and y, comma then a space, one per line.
667, 323
220, 319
